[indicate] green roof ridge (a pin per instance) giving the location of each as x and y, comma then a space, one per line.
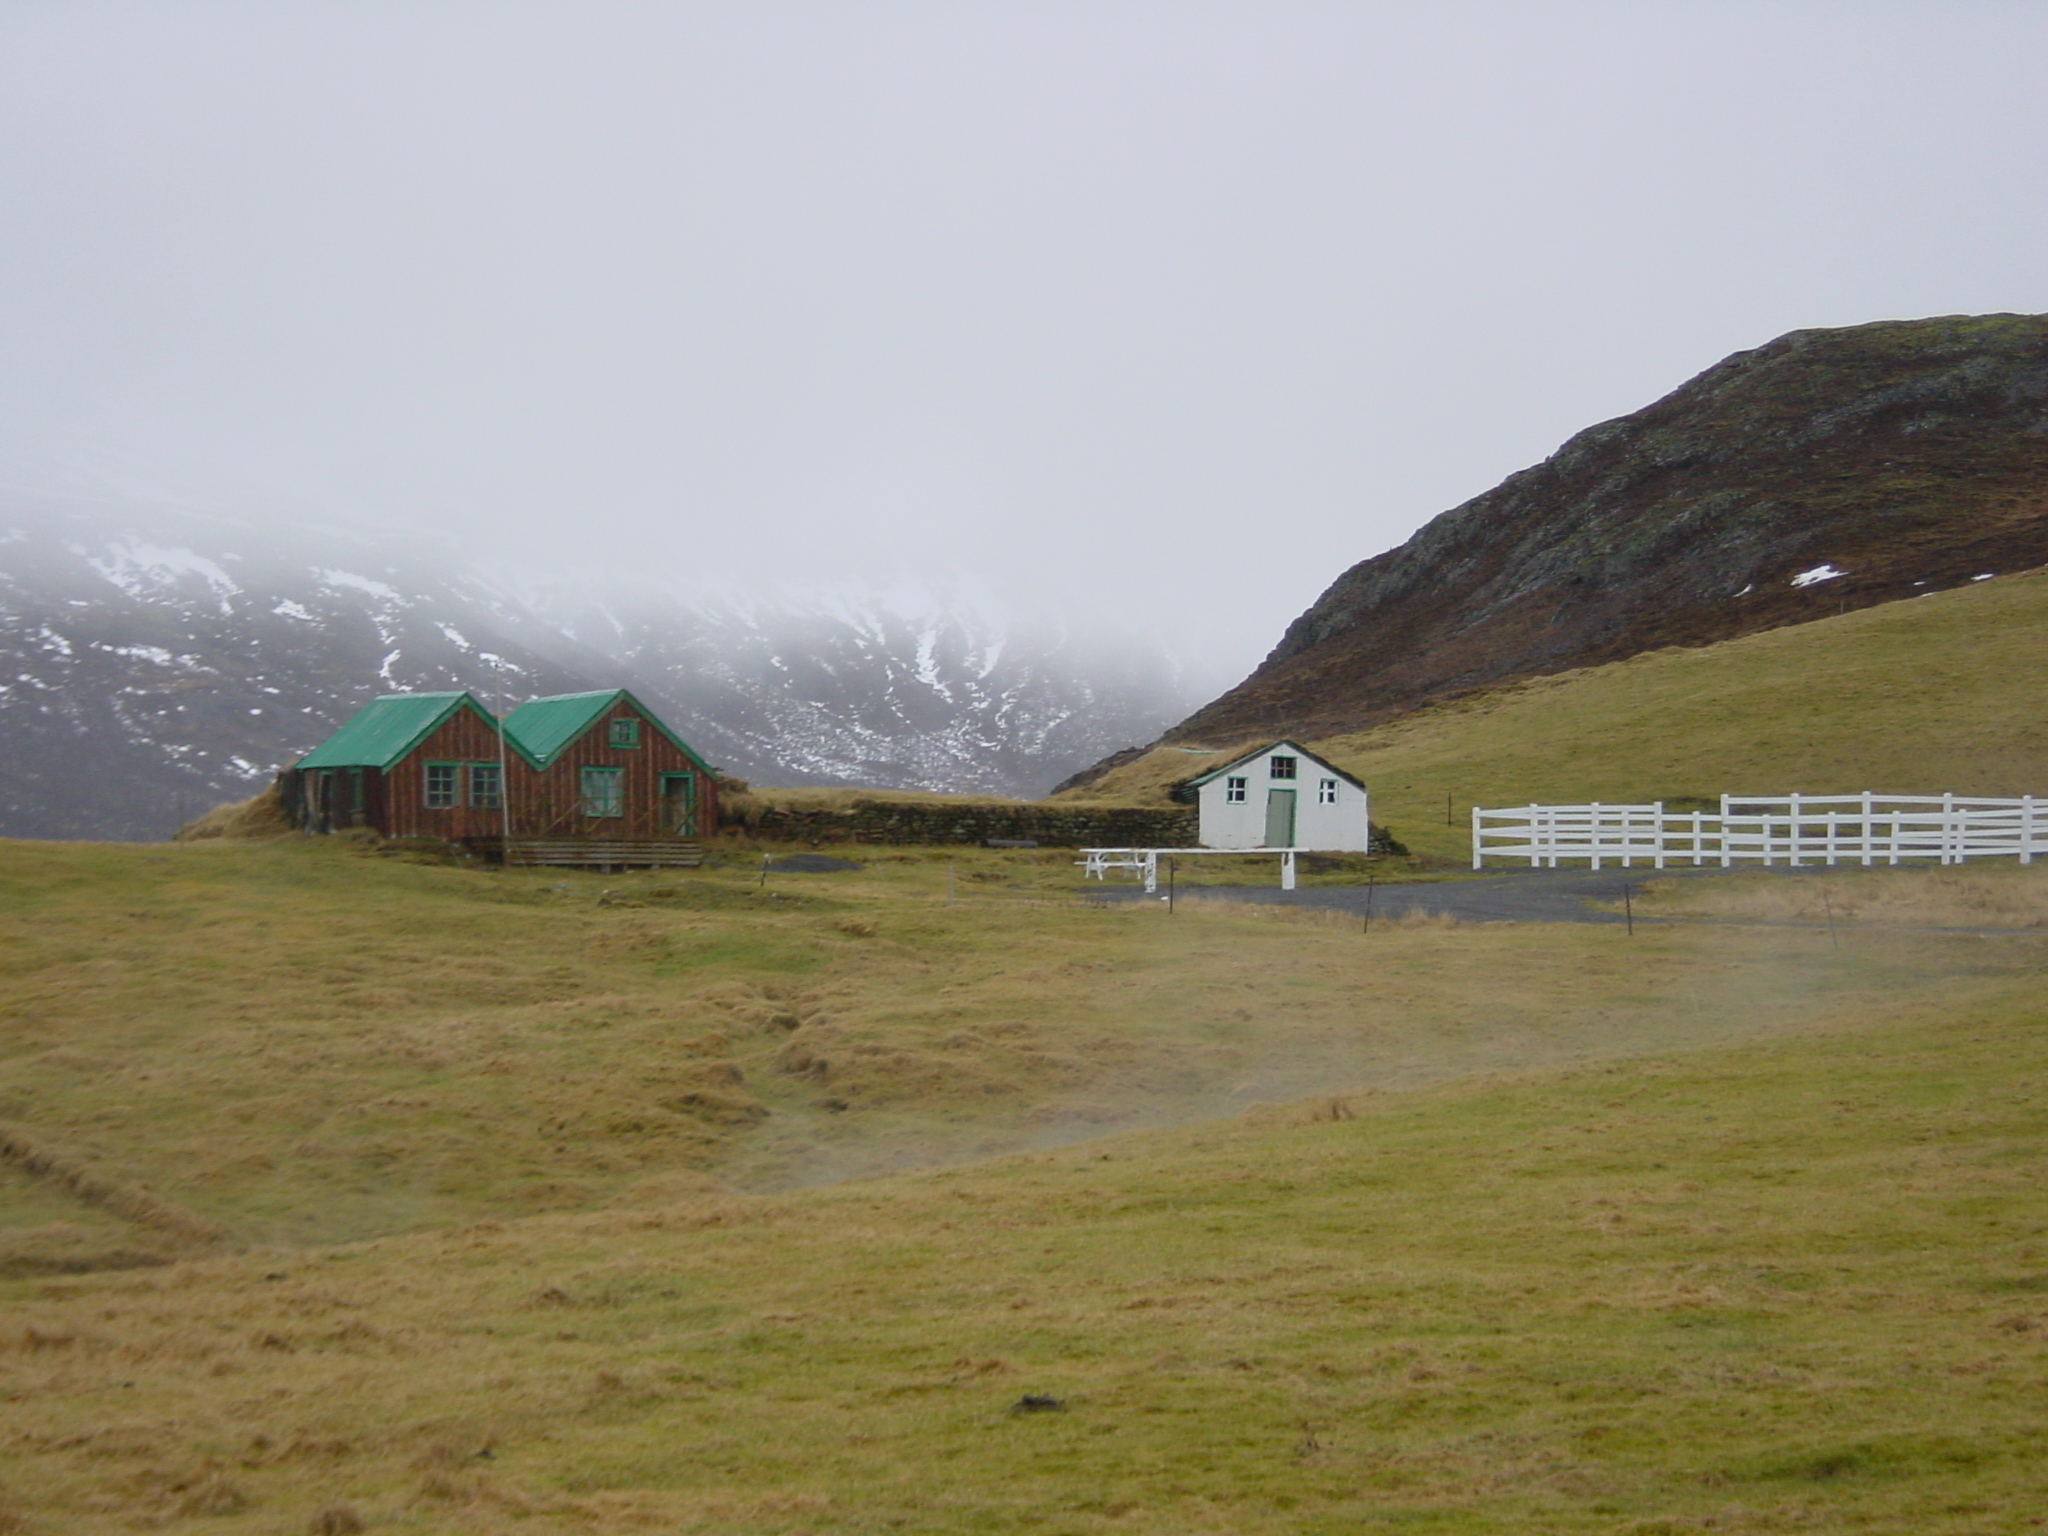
542, 728
388, 727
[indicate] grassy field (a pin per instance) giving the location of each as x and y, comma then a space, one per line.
352, 1193
1940, 693
304, 1041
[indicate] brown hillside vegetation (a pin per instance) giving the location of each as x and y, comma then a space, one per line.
1908, 455
262, 815
1475, 1230
1943, 693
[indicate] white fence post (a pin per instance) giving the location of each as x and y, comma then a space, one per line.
1886, 828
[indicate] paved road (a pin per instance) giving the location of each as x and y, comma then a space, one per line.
1532, 896
1527, 896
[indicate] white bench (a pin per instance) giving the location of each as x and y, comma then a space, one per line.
1096, 863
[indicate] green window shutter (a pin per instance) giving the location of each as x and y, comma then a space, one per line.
443, 790
604, 791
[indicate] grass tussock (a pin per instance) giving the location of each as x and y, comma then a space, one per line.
259, 816
848, 798
20, 1150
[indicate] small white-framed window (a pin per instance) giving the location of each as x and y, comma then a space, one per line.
1280, 767
1233, 791
443, 788
486, 786
1326, 791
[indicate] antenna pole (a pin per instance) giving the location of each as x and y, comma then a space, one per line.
504, 783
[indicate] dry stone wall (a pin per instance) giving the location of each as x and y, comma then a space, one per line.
1054, 826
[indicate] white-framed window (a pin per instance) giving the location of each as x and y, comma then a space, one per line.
1233, 791
1326, 791
604, 791
444, 790
486, 786
1280, 767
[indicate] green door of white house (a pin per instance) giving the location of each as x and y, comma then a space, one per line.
1279, 818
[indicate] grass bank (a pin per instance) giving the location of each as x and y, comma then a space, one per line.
1938, 693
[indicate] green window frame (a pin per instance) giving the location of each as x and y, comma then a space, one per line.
443, 786
625, 733
487, 786
603, 791
1280, 767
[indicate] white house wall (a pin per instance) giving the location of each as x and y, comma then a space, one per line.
1344, 827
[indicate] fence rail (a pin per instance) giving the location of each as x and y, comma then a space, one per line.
1768, 829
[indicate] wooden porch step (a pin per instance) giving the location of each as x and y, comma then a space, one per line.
590, 853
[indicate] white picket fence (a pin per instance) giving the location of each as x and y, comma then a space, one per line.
1768, 829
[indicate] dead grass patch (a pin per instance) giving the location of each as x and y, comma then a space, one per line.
1961, 896
260, 816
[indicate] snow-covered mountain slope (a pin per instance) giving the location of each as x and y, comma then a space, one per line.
156, 659
888, 689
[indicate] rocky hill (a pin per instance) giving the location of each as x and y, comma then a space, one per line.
1826, 471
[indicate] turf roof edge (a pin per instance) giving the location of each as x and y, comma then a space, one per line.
1300, 750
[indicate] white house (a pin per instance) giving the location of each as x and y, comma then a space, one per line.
1281, 797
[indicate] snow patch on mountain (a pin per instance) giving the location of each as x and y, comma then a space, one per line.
164, 656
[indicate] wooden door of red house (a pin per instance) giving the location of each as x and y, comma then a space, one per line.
679, 804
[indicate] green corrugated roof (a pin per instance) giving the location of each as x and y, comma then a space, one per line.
541, 728
387, 728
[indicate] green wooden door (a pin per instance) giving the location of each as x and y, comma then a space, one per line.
1279, 818
679, 803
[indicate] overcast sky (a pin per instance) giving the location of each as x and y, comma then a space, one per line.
1189, 305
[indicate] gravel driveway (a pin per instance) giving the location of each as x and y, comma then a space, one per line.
1531, 896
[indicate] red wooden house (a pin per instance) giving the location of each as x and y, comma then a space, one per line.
582, 778
601, 769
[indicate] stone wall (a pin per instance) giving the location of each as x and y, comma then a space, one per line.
1055, 826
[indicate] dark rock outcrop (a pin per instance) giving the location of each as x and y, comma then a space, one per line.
1905, 455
